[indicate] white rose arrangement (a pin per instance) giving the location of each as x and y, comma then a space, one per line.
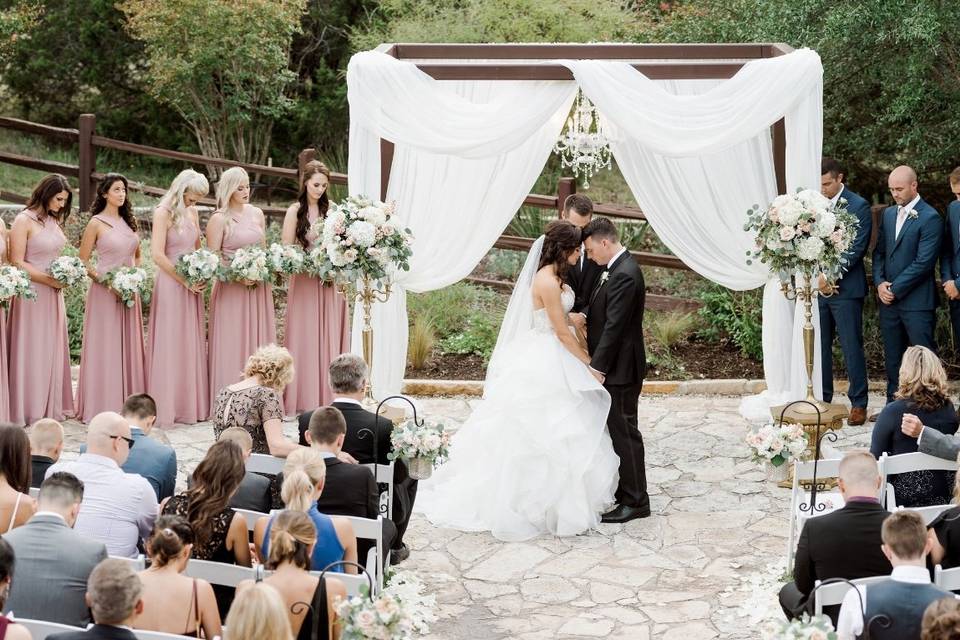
806, 628
380, 618
427, 440
287, 259
419, 607
14, 283
128, 283
198, 267
68, 270
777, 444
249, 263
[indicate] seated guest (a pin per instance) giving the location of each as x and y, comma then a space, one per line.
259, 614
49, 552
841, 544
944, 533
167, 593
118, 508
905, 596
113, 593
254, 491
292, 539
922, 392
303, 478
16, 505
941, 620
256, 402
150, 458
46, 445
8, 630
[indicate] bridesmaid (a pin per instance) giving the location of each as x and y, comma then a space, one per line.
39, 353
317, 329
176, 340
111, 361
241, 314
4, 359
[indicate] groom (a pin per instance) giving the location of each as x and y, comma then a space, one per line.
618, 359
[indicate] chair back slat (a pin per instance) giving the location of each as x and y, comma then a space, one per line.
833, 594
40, 629
263, 463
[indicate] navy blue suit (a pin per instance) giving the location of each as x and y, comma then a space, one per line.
950, 264
842, 313
907, 262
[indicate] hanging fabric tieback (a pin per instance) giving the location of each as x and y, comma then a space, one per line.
583, 146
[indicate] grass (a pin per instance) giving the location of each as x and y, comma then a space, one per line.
422, 340
670, 328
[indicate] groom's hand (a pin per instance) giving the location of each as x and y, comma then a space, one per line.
599, 376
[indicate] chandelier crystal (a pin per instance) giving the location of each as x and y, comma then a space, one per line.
583, 146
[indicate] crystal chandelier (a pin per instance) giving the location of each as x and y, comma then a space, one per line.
583, 146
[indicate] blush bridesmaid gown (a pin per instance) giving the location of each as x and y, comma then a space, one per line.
4, 357
241, 317
176, 340
39, 351
111, 361
317, 332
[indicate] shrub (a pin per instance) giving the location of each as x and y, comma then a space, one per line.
668, 329
736, 314
450, 308
478, 337
423, 337
505, 263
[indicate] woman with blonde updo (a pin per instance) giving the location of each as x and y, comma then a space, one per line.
292, 541
173, 602
303, 476
923, 393
941, 620
255, 403
258, 614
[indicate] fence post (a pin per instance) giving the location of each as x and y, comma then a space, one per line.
565, 187
88, 160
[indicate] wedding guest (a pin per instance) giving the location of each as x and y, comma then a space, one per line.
167, 593
922, 392
950, 257
944, 533
304, 474
39, 353
241, 313
49, 552
176, 338
9, 630
841, 305
292, 541
112, 357
46, 445
255, 403
114, 594
941, 620
905, 596
4, 358
582, 276
841, 544
16, 505
118, 508
908, 244
259, 613
254, 491
317, 329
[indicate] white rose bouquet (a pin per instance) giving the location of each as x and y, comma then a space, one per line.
14, 283
428, 440
382, 618
248, 263
128, 283
198, 267
69, 270
777, 444
287, 259
806, 628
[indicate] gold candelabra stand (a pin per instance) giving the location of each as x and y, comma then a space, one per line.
805, 293
366, 291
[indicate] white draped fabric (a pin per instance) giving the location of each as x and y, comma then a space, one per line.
696, 155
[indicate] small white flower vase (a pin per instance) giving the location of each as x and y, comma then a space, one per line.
776, 474
420, 468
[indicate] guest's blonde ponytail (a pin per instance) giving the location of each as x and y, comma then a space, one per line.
302, 472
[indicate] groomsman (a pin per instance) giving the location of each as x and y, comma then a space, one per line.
842, 312
583, 276
908, 244
950, 259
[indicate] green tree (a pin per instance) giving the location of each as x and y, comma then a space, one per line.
15, 22
222, 65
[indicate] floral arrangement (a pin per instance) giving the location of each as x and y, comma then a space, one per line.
128, 283
777, 444
198, 267
380, 618
359, 238
428, 441
14, 283
406, 588
248, 263
803, 232
806, 628
69, 270
287, 259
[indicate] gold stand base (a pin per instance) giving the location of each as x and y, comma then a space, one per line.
831, 418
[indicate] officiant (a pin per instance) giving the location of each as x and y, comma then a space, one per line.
584, 275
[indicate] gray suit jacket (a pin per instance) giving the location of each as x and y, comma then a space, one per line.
939, 444
50, 574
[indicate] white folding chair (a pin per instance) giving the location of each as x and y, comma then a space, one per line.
372, 529
251, 517
352, 582
154, 635
803, 472
383, 474
137, 564
40, 629
228, 575
907, 462
834, 593
929, 513
263, 463
34, 492
947, 579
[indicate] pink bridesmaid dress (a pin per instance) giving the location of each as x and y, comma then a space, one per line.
39, 352
241, 317
176, 341
317, 332
111, 361
4, 358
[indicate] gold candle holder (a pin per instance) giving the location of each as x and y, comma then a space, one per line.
366, 291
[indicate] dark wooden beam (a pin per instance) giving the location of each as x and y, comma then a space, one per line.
519, 71
780, 155
597, 51
386, 163
49, 166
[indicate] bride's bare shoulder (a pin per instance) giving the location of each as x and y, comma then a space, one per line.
546, 280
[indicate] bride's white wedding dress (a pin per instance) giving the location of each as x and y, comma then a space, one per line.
534, 456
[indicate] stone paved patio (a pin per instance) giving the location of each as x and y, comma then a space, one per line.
690, 572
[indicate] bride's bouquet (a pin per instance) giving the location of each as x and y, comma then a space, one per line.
14, 283
421, 445
69, 270
248, 263
128, 283
198, 267
287, 259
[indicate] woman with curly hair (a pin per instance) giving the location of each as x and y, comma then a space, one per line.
922, 392
256, 403
941, 620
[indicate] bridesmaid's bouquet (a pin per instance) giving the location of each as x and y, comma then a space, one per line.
69, 270
198, 267
248, 263
128, 283
14, 283
287, 259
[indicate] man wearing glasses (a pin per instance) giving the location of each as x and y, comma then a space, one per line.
118, 508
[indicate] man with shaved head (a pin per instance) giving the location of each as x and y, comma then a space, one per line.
908, 245
118, 508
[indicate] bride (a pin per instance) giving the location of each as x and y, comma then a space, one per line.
534, 457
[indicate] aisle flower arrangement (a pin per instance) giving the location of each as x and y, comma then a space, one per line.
806, 628
777, 444
420, 445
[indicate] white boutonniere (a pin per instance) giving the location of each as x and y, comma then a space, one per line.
604, 277
912, 214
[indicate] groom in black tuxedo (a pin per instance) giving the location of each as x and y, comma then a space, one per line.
618, 359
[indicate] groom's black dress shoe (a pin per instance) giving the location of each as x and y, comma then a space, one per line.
623, 513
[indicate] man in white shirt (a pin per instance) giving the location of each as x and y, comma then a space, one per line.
118, 508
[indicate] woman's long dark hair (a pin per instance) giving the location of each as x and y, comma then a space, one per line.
562, 239
311, 169
215, 480
44, 192
100, 202
15, 457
